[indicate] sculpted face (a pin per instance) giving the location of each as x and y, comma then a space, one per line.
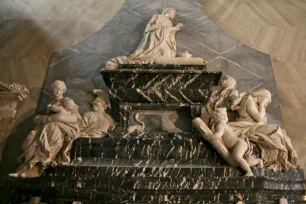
170, 13
264, 101
58, 88
98, 105
58, 92
262, 96
221, 115
222, 119
228, 82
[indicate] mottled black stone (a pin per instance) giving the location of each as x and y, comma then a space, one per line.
147, 170
185, 114
102, 184
179, 149
160, 83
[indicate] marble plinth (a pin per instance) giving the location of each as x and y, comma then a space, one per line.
139, 171
160, 83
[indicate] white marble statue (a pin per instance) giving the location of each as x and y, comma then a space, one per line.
275, 146
226, 94
97, 122
158, 45
159, 37
223, 138
50, 141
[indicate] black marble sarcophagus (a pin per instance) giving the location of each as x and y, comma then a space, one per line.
167, 163
155, 90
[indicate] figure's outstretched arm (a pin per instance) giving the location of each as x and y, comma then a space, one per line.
68, 119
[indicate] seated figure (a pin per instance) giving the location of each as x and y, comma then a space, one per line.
229, 141
97, 123
275, 145
50, 141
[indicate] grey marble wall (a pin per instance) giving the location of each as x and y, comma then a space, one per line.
79, 65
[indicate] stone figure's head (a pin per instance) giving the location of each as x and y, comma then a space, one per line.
58, 89
101, 102
227, 82
233, 97
220, 115
169, 12
69, 105
262, 96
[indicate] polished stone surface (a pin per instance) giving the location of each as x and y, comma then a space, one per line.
139, 171
160, 84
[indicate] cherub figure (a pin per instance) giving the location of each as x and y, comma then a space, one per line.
67, 112
238, 147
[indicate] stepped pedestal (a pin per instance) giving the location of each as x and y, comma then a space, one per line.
155, 170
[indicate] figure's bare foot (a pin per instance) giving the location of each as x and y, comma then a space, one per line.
249, 174
47, 162
53, 164
16, 175
32, 173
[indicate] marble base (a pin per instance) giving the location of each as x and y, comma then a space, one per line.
114, 170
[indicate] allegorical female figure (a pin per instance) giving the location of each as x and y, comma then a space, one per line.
50, 142
275, 146
251, 123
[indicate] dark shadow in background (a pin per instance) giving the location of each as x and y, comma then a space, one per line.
23, 124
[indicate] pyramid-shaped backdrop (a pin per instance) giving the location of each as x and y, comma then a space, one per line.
79, 65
